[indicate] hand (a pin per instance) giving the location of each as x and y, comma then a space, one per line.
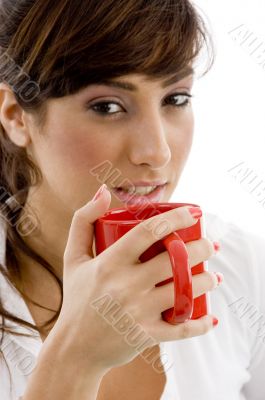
116, 277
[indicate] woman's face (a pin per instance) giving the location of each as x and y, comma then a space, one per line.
113, 135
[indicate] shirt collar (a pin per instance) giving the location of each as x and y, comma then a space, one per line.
3, 229
14, 303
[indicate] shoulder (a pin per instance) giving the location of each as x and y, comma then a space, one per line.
218, 228
239, 247
16, 365
241, 260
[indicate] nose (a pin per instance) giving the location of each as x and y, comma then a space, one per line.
148, 142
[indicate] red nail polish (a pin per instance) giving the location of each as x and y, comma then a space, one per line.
99, 192
196, 212
215, 321
216, 246
220, 277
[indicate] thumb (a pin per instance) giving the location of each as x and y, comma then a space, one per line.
81, 234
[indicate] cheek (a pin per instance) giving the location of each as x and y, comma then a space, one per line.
66, 155
73, 148
181, 140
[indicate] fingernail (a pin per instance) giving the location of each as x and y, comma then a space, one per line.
196, 212
215, 321
220, 277
216, 246
99, 192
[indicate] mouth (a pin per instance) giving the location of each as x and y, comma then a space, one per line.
140, 194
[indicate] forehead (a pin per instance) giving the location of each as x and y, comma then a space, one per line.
132, 82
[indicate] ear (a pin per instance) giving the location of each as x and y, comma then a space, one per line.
12, 117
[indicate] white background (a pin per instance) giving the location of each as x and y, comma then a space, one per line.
229, 107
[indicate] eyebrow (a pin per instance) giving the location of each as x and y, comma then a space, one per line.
133, 88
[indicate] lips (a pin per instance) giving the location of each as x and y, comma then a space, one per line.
147, 183
134, 198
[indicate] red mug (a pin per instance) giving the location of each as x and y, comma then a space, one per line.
117, 221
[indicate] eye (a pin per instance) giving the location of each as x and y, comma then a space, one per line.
110, 108
106, 108
178, 99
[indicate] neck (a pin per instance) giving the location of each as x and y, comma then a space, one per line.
51, 228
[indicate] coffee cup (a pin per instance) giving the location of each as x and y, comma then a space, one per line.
116, 222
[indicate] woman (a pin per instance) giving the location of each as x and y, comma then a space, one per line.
83, 84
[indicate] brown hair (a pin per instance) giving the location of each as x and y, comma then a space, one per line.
50, 49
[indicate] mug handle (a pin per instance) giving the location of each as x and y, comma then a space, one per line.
182, 278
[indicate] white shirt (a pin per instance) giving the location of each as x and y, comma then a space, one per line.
228, 363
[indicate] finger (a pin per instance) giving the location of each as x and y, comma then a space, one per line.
165, 332
161, 298
81, 234
199, 250
159, 267
131, 245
